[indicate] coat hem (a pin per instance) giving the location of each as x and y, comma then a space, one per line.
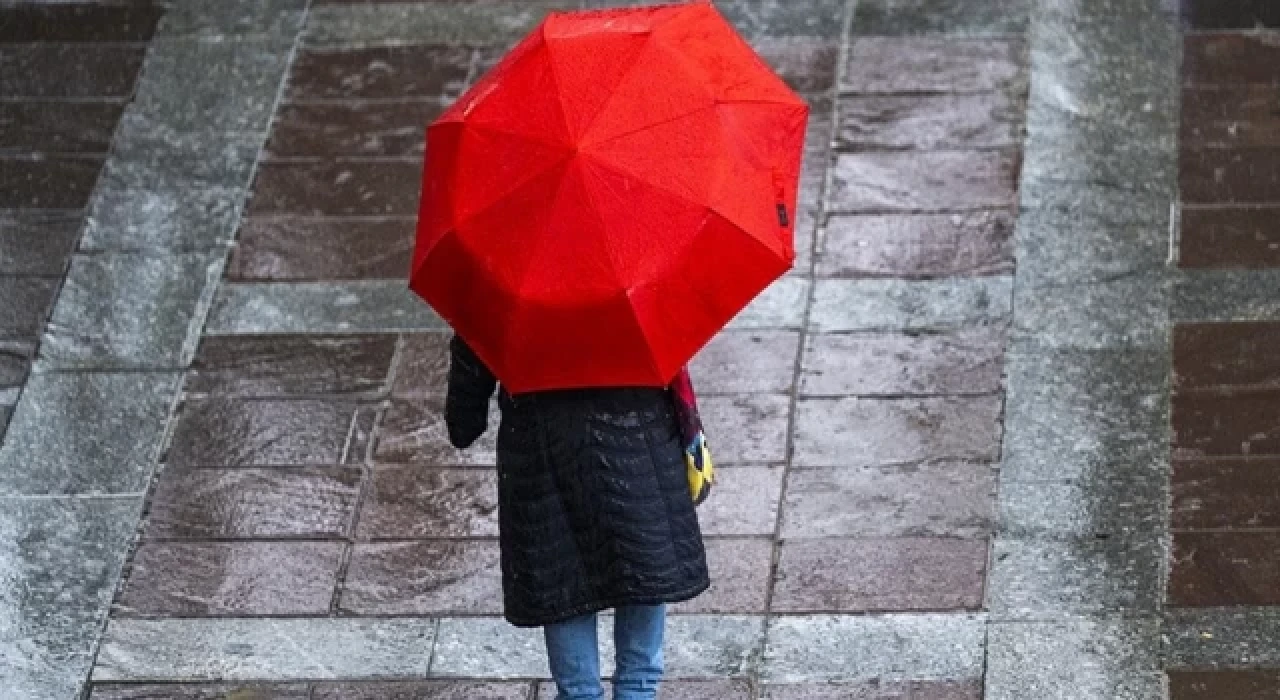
596, 606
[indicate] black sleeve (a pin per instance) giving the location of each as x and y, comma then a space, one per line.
471, 384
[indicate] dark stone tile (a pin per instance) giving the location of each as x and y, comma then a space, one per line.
58, 182
227, 85
1220, 638
726, 689
1223, 685
1226, 493
929, 122
60, 559
383, 188
918, 245
78, 22
969, 361
281, 365
877, 690
69, 70
242, 503
865, 432
200, 691
1231, 115
1226, 355
27, 303
423, 690
808, 65
1215, 569
57, 127
381, 72
417, 503
943, 499
235, 433
278, 249
128, 310
48, 451
353, 129
934, 181
941, 17
1230, 176
1226, 295
422, 367
1210, 426
234, 18
37, 243
744, 362
896, 65
1230, 59
739, 578
15, 361
881, 574
423, 578
1244, 237
413, 432
209, 579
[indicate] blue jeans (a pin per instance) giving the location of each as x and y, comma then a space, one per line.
575, 657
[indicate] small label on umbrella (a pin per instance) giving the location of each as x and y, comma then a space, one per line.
783, 220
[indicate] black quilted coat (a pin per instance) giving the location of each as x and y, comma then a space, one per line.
594, 508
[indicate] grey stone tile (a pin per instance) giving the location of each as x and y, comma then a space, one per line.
1085, 508
969, 361
941, 17
1032, 578
942, 499
422, 690
1127, 310
866, 432
929, 122
1221, 637
1227, 295
27, 305
488, 23
164, 188
747, 427
884, 648
1075, 659
265, 649
233, 18
872, 305
60, 559
1134, 153
1089, 415
782, 305
36, 242
745, 362
490, 647
49, 451
350, 307
875, 690
744, 501
191, 85
697, 646
1091, 209
771, 18
129, 311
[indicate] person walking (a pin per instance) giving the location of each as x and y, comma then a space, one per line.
595, 513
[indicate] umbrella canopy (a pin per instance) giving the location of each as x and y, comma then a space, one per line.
600, 204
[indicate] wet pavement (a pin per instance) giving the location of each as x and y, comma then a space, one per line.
1010, 429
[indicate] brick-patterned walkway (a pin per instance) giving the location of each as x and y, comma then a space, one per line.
945, 476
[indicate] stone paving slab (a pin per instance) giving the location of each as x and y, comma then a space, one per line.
1207, 638
872, 305
59, 559
1038, 578
48, 450
964, 18
129, 311
1222, 295
264, 649
1076, 658
885, 648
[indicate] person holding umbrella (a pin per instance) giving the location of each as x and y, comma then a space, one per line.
594, 210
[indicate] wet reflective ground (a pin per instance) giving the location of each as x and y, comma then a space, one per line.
1009, 430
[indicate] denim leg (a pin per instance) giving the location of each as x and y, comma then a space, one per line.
638, 632
574, 656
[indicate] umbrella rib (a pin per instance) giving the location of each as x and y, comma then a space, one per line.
555, 78
635, 61
627, 173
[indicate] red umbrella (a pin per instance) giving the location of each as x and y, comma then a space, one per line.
609, 196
